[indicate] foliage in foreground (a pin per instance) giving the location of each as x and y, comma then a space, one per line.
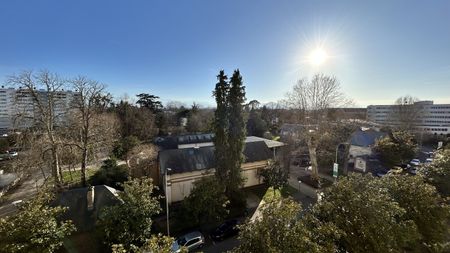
130, 222
423, 205
36, 228
157, 243
357, 214
367, 218
279, 229
438, 173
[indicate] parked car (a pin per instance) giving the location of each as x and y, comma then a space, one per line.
191, 241
382, 172
428, 161
226, 229
412, 171
395, 171
415, 162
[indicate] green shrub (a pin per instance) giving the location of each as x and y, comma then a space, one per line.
110, 174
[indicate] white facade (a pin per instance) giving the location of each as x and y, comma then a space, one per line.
430, 118
18, 110
180, 185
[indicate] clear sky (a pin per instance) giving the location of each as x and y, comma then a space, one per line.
174, 49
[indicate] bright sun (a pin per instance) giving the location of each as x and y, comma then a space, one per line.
318, 56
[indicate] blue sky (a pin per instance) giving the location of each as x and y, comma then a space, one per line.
174, 49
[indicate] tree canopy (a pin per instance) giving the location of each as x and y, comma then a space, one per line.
399, 147
279, 229
206, 203
358, 213
36, 228
438, 173
130, 223
150, 102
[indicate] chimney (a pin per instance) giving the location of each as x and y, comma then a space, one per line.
90, 198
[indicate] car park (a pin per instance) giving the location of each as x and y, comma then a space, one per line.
226, 229
191, 241
415, 162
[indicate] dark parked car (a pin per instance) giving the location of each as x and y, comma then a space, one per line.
226, 229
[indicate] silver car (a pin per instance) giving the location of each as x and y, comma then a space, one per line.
191, 241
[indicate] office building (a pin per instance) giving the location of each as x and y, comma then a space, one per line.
18, 108
424, 116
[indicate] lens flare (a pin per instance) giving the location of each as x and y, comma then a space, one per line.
318, 56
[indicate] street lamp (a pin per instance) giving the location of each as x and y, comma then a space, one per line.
337, 147
167, 200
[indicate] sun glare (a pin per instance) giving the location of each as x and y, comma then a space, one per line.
318, 56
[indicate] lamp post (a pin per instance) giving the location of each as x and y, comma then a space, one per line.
337, 147
167, 201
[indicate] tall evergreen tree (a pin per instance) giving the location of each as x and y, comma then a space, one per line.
221, 125
236, 134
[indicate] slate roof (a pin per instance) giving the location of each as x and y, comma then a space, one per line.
76, 201
191, 159
172, 142
366, 138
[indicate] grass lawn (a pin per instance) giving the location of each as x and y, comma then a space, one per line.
285, 192
75, 179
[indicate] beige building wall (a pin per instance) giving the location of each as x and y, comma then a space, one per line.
180, 185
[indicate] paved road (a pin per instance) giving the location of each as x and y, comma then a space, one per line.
27, 188
222, 246
24, 191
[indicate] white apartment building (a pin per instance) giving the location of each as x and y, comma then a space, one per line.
18, 110
428, 117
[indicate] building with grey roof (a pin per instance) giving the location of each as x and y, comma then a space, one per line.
191, 157
85, 205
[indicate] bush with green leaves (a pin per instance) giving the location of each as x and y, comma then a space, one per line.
279, 229
123, 146
367, 218
110, 174
399, 147
438, 172
205, 204
359, 213
274, 175
130, 222
37, 227
423, 205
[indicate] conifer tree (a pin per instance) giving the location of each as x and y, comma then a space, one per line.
236, 133
220, 126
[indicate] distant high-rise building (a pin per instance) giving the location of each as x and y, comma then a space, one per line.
422, 116
18, 108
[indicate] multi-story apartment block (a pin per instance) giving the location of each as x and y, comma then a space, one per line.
424, 116
18, 108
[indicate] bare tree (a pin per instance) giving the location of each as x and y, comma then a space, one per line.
142, 161
94, 129
405, 113
312, 99
45, 91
